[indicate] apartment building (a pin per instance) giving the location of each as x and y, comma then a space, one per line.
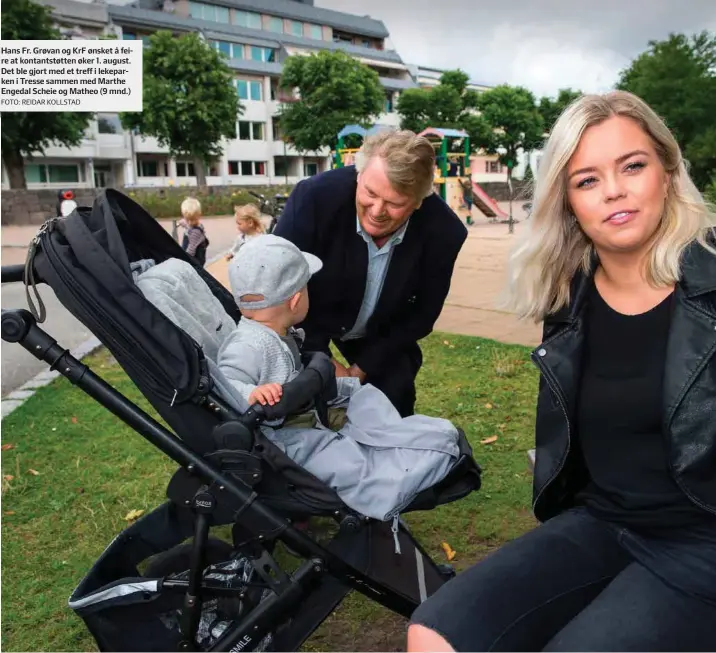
257, 36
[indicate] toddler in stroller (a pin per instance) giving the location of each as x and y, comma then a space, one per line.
150, 590
376, 461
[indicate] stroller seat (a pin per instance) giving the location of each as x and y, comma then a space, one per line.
229, 471
175, 288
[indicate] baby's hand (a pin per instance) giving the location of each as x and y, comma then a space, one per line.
229, 256
266, 394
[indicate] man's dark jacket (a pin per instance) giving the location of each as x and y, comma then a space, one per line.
688, 405
320, 218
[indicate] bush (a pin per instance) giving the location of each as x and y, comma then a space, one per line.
215, 200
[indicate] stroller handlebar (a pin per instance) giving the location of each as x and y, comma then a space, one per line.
13, 273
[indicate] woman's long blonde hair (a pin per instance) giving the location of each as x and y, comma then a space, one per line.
553, 247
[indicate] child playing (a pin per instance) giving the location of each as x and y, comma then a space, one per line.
195, 241
248, 224
377, 462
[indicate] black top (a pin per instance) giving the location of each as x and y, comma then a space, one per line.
619, 420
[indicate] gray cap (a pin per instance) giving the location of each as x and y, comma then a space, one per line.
270, 266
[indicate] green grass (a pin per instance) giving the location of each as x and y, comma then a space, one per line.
93, 470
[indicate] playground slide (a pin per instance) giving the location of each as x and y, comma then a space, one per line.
486, 204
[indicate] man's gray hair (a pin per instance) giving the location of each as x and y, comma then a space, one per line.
409, 161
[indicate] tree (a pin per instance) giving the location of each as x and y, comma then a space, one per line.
677, 78
551, 109
528, 176
516, 124
334, 90
190, 100
450, 104
515, 120
26, 134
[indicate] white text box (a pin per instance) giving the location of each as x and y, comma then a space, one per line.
88, 75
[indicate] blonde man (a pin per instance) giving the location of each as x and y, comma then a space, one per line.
388, 246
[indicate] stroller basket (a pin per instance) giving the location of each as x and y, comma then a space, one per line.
164, 583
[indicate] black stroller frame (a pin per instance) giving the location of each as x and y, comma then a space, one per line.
296, 603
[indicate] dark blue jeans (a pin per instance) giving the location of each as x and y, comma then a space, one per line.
579, 584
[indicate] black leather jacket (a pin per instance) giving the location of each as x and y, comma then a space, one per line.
689, 398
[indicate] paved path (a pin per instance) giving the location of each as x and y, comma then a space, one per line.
477, 281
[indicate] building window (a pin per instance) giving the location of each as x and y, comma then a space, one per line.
213, 13
276, 128
366, 43
388, 104
310, 169
231, 50
247, 19
251, 131
55, 173
494, 167
281, 166
275, 24
315, 32
263, 54
185, 169
249, 90
147, 167
129, 36
247, 168
296, 28
340, 37
109, 123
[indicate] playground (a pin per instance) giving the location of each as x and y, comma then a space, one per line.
453, 177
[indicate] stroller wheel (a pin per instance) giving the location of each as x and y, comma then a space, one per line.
178, 559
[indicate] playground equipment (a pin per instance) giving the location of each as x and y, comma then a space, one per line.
452, 167
345, 156
453, 178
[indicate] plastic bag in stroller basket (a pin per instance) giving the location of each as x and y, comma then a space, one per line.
126, 610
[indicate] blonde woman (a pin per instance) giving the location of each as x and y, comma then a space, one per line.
248, 224
620, 264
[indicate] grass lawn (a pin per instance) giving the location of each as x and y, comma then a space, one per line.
74, 472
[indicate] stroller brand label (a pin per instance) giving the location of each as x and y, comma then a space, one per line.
241, 644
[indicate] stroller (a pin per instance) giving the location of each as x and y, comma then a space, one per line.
167, 583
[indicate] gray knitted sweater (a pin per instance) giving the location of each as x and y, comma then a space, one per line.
254, 354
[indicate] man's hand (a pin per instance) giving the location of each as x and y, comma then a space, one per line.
266, 394
340, 369
229, 256
357, 372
